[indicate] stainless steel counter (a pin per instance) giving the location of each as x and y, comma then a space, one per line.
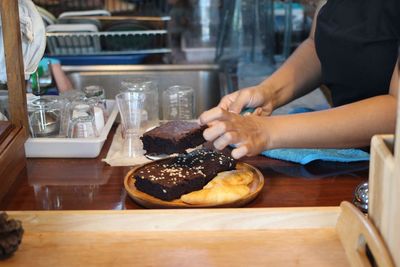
203, 78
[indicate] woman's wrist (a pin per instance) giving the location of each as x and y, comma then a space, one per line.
273, 94
270, 134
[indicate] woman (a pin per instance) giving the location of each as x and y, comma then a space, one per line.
352, 49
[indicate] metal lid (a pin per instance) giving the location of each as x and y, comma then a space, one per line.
361, 197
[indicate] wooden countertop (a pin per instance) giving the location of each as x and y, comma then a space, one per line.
90, 184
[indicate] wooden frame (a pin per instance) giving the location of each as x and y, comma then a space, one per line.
12, 153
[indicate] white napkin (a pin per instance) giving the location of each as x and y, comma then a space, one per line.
114, 156
3, 117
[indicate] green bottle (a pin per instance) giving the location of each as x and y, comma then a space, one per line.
35, 82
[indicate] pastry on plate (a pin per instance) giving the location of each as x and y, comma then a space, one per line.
234, 177
227, 186
215, 195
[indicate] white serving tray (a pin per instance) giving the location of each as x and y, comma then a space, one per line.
71, 147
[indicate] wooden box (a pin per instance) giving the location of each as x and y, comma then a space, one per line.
384, 192
384, 186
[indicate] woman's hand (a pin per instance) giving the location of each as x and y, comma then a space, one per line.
252, 97
247, 133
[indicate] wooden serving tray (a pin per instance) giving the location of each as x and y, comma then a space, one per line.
190, 237
148, 201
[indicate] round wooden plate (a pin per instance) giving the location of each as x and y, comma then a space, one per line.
148, 201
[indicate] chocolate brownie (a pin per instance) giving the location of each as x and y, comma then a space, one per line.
170, 178
173, 137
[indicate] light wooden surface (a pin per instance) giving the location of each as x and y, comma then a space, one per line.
148, 201
201, 237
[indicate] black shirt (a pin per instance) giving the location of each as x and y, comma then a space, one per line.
357, 44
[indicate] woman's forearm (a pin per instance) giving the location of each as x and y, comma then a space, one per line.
351, 125
300, 74
347, 126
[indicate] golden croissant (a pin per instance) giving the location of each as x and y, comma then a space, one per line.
235, 177
216, 195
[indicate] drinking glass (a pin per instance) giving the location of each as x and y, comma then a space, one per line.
94, 91
178, 103
81, 120
100, 112
44, 116
150, 111
130, 105
68, 97
96, 94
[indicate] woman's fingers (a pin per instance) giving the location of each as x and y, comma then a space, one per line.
225, 128
240, 151
213, 114
240, 102
226, 139
216, 130
258, 111
227, 100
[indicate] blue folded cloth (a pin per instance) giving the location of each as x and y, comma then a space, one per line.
306, 155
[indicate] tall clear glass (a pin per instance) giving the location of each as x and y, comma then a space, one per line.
130, 105
150, 112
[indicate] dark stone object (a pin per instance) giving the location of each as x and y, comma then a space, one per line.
11, 232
